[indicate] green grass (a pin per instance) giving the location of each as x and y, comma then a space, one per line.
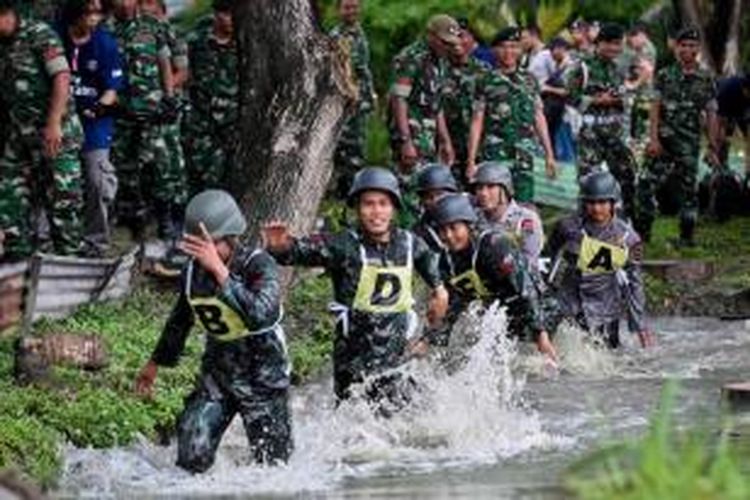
664, 465
714, 241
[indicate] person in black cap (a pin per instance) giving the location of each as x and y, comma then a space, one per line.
596, 88
509, 117
684, 94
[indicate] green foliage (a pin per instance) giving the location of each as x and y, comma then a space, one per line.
714, 241
663, 465
29, 446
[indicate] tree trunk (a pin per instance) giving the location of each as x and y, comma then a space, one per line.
292, 101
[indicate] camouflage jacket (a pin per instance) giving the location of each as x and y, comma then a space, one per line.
365, 341
252, 292
595, 287
29, 61
509, 102
458, 92
427, 229
592, 76
684, 97
353, 41
417, 78
523, 225
504, 275
214, 84
144, 42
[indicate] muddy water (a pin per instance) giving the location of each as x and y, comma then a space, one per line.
496, 424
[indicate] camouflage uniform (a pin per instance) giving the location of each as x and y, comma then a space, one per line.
459, 89
350, 151
427, 229
417, 78
493, 269
601, 277
245, 367
29, 61
210, 131
373, 327
683, 98
603, 136
510, 102
142, 144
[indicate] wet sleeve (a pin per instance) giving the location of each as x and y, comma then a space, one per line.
309, 251
427, 263
50, 48
110, 65
255, 292
174, 335
636, 296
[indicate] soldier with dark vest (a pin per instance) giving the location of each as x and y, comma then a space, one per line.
487, 266
601, 253
234, 292
432, 183
372, 269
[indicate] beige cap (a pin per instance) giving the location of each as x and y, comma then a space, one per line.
445, 27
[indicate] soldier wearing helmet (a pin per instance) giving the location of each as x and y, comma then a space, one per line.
487, 265
371, 267
493, 190
601, 282
234, 292
432, 183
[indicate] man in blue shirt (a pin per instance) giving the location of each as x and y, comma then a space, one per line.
97, 76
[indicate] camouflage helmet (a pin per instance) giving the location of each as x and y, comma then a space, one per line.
494, 173
374, 179
436, 176
454, 208
218, 211
600, 186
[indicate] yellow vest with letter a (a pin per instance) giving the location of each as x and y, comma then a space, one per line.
385, 289
469, 282
219, 319
598, 257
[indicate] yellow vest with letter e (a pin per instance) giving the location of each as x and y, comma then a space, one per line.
219, 319
385, 289
469, 281
598, 257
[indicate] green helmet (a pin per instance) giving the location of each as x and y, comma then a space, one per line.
218, 211
375, 179
600, 186
436, 176
454, 208
495, 173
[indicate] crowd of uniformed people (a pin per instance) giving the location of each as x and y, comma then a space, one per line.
465, 121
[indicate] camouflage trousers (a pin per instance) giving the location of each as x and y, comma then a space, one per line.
210, 409
522, 157
594, 148
209, 153
424, 137
150, 166
679, 159
350, 155
30, 182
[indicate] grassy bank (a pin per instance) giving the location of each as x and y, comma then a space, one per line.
99, 409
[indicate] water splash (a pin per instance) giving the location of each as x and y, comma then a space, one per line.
469, 410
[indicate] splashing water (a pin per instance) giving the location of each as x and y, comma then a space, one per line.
465, 413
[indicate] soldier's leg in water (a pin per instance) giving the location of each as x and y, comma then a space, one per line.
267, 420
203, 421
15, 201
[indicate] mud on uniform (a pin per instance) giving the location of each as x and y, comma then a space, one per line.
245, 367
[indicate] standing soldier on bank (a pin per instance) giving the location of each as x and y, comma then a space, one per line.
684, 92
350, 152
416, 120
509, 116
372, 269
459, 89
210, 131
97, 77
597, 89
40, 165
